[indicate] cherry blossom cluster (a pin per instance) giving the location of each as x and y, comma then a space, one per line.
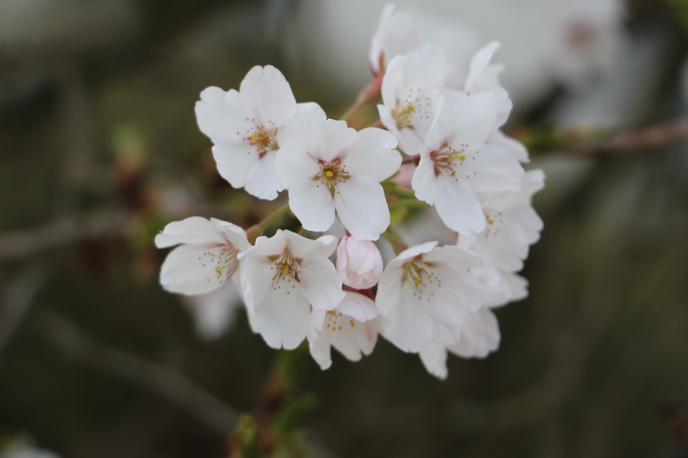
440, 115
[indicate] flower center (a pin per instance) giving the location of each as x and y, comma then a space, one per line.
224, 263
494, 226
403, 115
331, 174
447, 160
421, 276
286, 268
335, 321
263, 139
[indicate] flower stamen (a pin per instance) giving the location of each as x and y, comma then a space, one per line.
331, 174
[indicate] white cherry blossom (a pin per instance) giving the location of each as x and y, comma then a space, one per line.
475, 338
215, 312
426, 288
207, 255
395, 34
512, 225
483, 76
351, 329
247, 128
408, 90
283, 279
457, 164
327, 167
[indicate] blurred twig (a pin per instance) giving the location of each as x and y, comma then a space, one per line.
164, 381
603, 142
65, 231
18, 298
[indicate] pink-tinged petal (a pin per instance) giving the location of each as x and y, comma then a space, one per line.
362, 208
270, 93
312, 204
191, 230
458, 206
196, 269
282, 319
372, 155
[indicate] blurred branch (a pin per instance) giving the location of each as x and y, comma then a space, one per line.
164, 381
18, 299
603, 142
65, 231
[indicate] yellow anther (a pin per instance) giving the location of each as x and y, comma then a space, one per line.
285, 270
329, 173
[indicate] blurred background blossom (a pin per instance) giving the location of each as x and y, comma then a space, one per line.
99, 147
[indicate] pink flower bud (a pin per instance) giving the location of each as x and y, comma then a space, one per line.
403, 177
359, 262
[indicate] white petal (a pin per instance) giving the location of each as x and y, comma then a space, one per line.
336, 137
214, 313
270, 93
479, 63
234, 160
319, 347
513, 146
388, 289
298, 139
354, 339
321, 284
255, 276
220, 115
191, 230
372, 155
312, 203
358, 306
474, 117
195, 269
458, 206
414, 251
408, 325
282, 319
479, 337
434, 357
424, 182
362, 207
232, 233
262, 180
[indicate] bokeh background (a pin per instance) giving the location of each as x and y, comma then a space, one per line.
99, 148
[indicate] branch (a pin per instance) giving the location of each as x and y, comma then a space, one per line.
66, 231
18, 299
164, 381
604, 142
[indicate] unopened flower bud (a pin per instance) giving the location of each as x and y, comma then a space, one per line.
359, 262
